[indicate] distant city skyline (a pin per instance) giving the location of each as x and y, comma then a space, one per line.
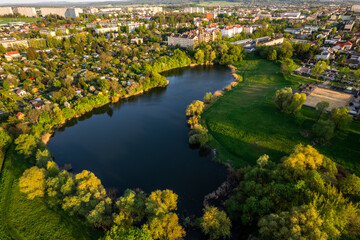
28, 2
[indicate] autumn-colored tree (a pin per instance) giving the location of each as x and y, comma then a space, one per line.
161, 202
166, 227
215, 223
32, 182
263, 160
303, 158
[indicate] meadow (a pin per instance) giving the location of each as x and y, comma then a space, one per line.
245, 124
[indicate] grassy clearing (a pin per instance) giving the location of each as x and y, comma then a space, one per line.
27, 20
245, 124
21, 218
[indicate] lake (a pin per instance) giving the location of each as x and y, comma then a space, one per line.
142, 142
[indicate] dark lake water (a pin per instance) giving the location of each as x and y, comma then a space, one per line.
142, 142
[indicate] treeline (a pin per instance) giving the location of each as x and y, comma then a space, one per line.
219, 52
305, 196
301, 51
164, 63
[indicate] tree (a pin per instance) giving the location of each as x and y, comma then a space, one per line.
321, 108
263, 160
5, 139
282, 98
133, 233
208, 98
357, 74
161, 202
43, 157
319, 68
31, 54
341, 117
272, 56
350, 185
300, 223
89, 193
303, 158
286, 66
286, 51
59, 186
32, 182
166, 227
2, 49
297, 101
26, 144
100, 216
215, 223
131, 208
199, 56
324, 129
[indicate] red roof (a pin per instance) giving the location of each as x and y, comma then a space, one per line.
19, 114
343, 43
12, 53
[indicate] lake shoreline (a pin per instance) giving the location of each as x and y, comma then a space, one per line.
46, 137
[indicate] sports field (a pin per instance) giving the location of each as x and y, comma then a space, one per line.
335, 98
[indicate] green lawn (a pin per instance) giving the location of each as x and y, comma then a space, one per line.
28, 20
245, 124
21, 218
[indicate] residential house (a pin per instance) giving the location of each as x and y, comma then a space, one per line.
11, 55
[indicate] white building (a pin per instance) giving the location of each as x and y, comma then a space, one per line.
6, 11
26, 11
62, 12
355, 8
290, 15
106, 30
230, 31
248, 29
194, 10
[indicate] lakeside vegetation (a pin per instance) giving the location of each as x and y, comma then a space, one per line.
33, 219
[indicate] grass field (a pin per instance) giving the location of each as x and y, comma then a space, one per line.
21, 218
245, 124
28, 20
